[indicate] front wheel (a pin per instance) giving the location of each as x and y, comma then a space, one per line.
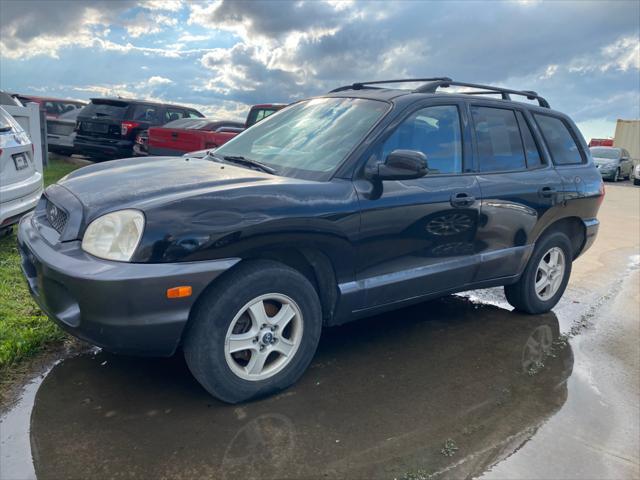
616, 176
254, 332
545, 278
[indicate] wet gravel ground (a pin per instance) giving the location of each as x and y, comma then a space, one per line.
460, 387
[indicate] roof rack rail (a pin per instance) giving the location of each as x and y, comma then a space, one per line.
505, 93
363, 85
432, 84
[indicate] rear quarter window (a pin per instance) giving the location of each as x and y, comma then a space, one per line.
498, 136
561, 143
147, 113
107, 109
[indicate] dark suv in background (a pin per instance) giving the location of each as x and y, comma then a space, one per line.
334, 208
107, 127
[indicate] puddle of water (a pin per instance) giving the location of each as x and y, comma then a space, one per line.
384, 397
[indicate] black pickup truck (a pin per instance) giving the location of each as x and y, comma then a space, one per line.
334, 208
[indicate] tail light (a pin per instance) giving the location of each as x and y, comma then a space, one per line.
127, 127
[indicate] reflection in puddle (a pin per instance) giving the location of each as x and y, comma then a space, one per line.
384, 396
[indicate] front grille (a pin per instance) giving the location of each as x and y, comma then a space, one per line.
56, 216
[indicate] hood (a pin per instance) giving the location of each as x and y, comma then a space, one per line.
133, 182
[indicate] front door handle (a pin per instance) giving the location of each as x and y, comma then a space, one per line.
547, 192
462, 199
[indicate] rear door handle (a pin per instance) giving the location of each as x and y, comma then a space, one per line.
547, 192
462, 199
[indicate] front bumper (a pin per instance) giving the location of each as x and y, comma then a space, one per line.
119, 306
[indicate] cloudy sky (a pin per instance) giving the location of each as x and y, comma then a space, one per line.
222, 56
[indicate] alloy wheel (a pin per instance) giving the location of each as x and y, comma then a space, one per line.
263, 337
550, 273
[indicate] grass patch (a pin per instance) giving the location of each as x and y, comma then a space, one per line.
56, 170
24, 329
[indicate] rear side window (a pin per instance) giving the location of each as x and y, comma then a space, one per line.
498, 136
146, 113
174, 114
259, 114
562, 146
106, 108
434, 131
531, 151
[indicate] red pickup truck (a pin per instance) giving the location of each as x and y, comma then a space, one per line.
191, 134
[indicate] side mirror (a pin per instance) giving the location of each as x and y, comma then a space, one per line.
400, 165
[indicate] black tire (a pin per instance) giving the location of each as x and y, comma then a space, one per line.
616, 176
216, 309
636, 181
521, 295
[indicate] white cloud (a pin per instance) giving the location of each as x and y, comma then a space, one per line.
148, 24
157, 80
168, 5
622, 55
549, 72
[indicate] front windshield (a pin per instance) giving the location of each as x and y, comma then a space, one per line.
610, 153
309, 139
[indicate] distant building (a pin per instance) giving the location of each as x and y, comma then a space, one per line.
628, 136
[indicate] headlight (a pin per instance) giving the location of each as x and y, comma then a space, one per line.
114, 236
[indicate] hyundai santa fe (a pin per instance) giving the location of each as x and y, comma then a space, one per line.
337, 207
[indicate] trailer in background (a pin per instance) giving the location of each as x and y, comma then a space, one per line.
627, 136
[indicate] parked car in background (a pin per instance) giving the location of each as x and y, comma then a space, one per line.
107, 127
601, 142
53, 107
613, 163
336, 208
20, 182
189, 134
261, 111
61, 132
165, 143
635, 174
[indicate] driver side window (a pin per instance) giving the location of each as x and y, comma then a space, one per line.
434, 131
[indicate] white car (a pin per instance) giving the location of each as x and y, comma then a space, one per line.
20, 182
61, 132
635, 174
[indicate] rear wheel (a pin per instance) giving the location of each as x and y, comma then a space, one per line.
545, 278
255, 332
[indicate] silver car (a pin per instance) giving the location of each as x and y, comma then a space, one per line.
613, 163
20, 182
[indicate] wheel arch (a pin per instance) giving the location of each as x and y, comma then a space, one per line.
310, 262
314, 265
575, 230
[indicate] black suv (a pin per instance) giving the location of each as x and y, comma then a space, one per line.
107, 127
335, 208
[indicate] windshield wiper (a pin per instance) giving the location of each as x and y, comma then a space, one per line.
249, 163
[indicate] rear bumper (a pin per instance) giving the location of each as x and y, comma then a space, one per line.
103, 147
121, 307
12, 210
